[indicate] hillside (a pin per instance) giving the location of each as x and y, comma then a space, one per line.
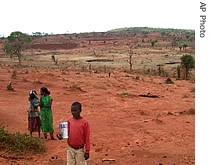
127, 126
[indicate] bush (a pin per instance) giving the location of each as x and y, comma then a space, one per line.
193, 89
191, 111
20, 144
188, 62
169, 81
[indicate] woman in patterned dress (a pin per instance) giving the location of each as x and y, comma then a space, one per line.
34, 122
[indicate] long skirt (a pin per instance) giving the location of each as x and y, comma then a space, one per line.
46, 120
34, 124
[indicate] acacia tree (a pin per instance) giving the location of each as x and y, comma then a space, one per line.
188, 62
16, 43
184, 45
153, 42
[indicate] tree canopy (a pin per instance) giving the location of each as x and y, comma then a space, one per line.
188, 62
16, 43
153, 42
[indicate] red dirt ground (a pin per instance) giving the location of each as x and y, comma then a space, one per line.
126, 129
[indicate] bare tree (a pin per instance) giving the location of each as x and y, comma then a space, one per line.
178, 71
130, 53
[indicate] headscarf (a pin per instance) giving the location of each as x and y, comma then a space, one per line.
33, 93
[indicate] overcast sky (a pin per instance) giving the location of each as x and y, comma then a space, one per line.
75, 16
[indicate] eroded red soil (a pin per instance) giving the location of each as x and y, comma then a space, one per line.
125, 129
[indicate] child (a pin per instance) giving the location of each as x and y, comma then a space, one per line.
46, 113
78, 137
34, 122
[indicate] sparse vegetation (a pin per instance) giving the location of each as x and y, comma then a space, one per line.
178, 72
169, 81
153, 42
55, 60
184, 45
124, 93
161, 71
20, 144
9, 87
82, 76
130, 53
53, 57
137, 77
188, 62
191, 111
14, 74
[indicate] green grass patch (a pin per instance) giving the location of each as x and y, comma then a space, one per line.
20, 144
126, 94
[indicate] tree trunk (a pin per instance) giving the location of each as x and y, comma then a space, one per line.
19, 59
130, 67
186, 73
178, 72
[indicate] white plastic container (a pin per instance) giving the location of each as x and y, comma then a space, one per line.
64, 129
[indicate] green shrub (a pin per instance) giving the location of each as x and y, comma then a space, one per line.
193, 89
20, 144
169, 81
53, 57
124, 93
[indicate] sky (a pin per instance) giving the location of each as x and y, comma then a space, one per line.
79, 16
